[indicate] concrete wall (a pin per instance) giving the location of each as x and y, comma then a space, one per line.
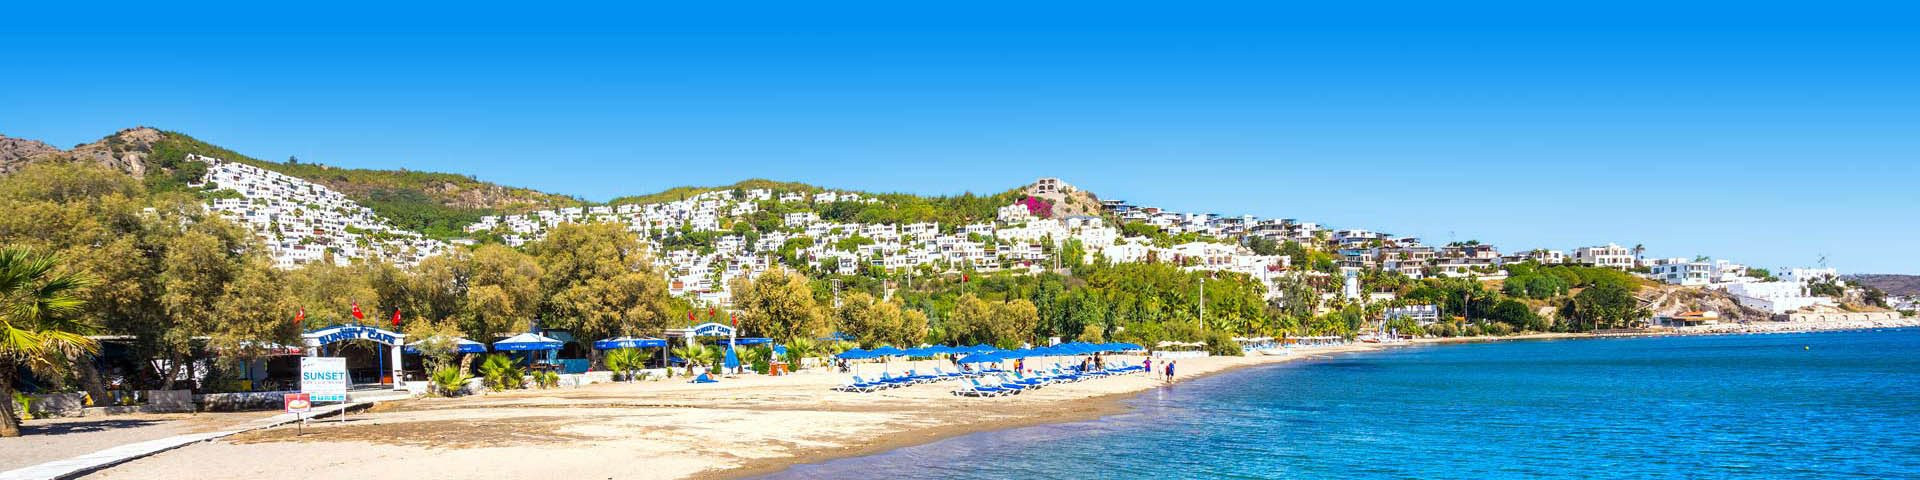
57, 405
1838, 317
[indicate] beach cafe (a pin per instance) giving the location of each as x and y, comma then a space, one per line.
717, 334
360, 344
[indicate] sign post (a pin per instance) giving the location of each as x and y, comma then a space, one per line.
324, 379
299, 404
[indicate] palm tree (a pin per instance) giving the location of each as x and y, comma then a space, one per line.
799, 350
36, 330
693, 354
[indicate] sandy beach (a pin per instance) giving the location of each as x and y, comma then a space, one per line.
667, 429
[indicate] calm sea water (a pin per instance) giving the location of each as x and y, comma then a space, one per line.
1820, 405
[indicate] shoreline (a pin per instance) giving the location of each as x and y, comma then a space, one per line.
1114, 403
739, 428
1097, 407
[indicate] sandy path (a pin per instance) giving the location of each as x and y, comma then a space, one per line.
738, 427
52, 439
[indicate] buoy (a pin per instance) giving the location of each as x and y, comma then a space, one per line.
1808, 347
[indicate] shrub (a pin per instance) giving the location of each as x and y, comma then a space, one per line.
501, 373
449, 381
761, 367
623, 362
546, 380
23, 406
1221, 344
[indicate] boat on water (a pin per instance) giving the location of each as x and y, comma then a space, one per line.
1276, 351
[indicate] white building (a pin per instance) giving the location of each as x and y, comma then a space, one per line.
1609, 255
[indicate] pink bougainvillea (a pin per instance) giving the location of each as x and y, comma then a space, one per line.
1039, 208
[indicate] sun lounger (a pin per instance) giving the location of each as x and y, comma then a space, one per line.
978, 390
703, 378
858, 385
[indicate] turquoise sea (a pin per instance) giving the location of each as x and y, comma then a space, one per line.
1816, 405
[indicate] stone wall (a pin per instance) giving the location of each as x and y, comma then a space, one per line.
240, 401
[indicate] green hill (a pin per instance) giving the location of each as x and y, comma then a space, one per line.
434, 204
439, 204
949, 210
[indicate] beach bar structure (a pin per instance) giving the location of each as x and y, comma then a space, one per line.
338, 333
633, 342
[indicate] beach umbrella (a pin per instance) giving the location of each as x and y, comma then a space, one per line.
460, 345
980, 358
527, 341
885, 353
732, 361
629, 342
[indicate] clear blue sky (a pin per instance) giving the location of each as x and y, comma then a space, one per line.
1761, 132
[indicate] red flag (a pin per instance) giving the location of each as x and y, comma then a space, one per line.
396, 317
356, 311
735, 319
297, 317
712, 312
963, 278
689, 315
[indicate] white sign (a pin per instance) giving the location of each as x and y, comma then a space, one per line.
711, 329
324, 377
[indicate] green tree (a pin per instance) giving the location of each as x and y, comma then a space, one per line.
778, 304
600, 282
1606, 305
871, 321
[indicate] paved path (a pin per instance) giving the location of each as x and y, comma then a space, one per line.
84, 464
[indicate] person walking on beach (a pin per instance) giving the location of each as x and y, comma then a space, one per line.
1170, 370
1149, 365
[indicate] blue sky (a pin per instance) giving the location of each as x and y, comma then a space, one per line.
1760, 132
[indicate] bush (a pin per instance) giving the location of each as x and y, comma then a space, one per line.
501, 373
546, 380
23, 406
1221, 344
761, 367
449, 381
623, 362
1499, 329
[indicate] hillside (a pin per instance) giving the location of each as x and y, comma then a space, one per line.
1895, 285
435, 204
897, 208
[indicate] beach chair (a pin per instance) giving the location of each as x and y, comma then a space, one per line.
1070, 377
995, 389
858, 385
1023, 385
978, 390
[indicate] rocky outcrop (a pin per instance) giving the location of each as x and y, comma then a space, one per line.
1668, 300
17, 152
125, 151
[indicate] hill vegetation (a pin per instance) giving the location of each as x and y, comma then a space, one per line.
435, 204
890, 208
1895, 285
